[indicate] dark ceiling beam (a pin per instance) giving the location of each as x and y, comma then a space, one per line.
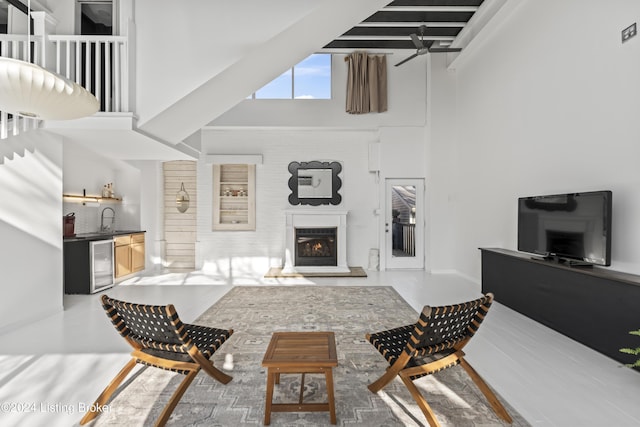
401, 37
436, 3
391, 26
370, 44
439, 9
432, 24
382, 32
404, 16
19, 5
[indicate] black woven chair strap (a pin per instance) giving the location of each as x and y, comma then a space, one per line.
151, 326
438, 329
208, 340
393, 342
159, 331
445, 327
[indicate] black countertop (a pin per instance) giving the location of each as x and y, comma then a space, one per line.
100, 236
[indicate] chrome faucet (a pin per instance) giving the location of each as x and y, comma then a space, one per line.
108, 227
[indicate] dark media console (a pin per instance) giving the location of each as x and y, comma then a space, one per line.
594, 306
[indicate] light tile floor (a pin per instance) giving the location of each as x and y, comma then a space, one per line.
51, 369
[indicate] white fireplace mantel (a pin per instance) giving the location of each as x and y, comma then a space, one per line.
315, 218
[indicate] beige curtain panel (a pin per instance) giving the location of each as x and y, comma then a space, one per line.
366, 83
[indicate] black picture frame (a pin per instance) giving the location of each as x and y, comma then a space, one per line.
308, 169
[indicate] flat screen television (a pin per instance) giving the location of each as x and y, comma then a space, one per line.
573, 228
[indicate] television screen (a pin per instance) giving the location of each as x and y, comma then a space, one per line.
575, 226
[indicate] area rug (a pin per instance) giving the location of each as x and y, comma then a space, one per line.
276, 272
255, 312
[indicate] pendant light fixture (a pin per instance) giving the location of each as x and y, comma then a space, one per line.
29, 90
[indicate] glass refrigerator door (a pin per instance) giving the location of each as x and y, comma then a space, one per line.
101, 265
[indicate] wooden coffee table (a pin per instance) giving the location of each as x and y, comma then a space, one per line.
300, 353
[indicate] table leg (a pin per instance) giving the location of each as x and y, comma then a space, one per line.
271, 377
332, 405
301, 389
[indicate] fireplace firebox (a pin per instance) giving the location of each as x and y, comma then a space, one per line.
316, 247
331, 221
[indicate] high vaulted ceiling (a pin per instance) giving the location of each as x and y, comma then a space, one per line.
390, 27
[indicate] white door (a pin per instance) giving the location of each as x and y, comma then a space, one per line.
404, 223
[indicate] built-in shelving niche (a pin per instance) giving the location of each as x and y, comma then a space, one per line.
234, 191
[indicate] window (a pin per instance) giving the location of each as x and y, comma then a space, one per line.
279, 88
4, 16
95, 17
310, 79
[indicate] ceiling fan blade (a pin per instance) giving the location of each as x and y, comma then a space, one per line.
406, 59
444, 49
416, 41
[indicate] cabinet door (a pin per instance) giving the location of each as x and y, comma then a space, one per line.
122, 257
137, 252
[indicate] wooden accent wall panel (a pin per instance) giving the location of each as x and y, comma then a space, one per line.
180, 228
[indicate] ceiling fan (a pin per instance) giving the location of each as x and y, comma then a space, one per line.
422, 48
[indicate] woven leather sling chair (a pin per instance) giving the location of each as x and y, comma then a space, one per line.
161, 340
432, 344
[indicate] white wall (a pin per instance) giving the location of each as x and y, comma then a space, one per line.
256, 251
402, 155
546, 103
151, 211
31, 227
441, 160
84, 170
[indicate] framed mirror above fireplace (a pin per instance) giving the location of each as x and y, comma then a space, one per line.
315, 183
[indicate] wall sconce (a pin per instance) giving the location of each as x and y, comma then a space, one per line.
182, 199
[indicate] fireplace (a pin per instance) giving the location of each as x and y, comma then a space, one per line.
316, 246
315, 241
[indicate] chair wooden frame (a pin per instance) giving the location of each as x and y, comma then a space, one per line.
438, 336
160, 339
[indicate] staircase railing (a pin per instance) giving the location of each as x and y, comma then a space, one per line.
99, 63
15, 46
